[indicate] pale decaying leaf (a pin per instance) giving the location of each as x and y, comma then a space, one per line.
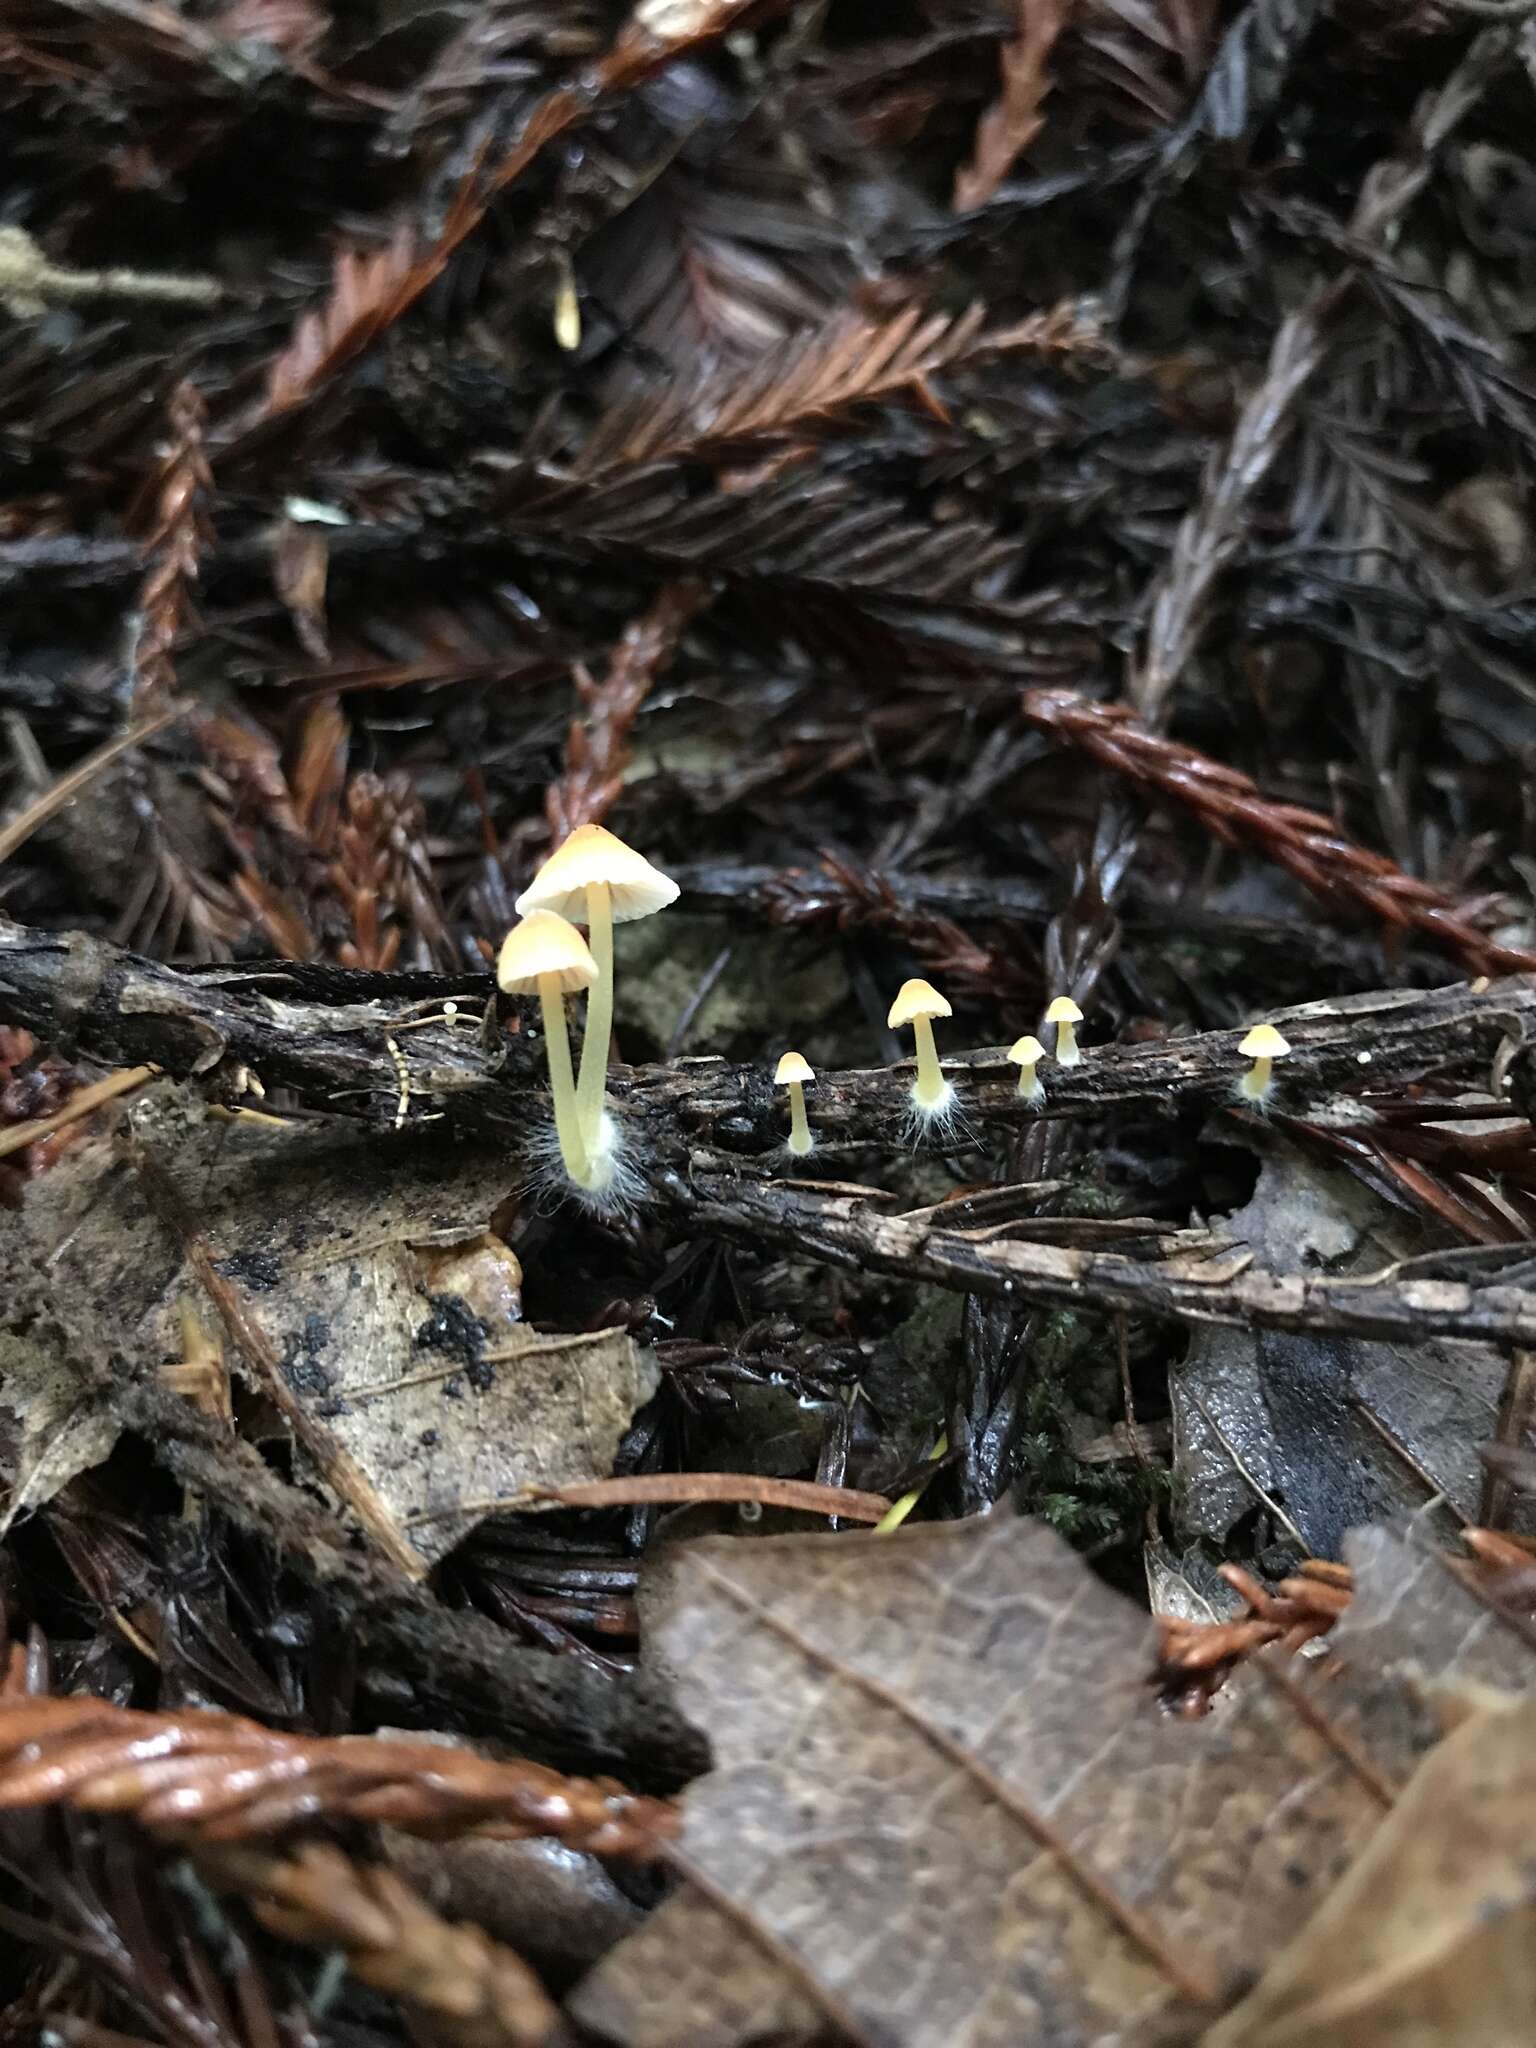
368, 1269
947, 1810
1288, 1407
52, 1425
1429, 1941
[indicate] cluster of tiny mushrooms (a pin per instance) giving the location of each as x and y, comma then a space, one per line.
594, 879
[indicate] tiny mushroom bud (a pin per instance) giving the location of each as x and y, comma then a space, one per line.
546, 954
593, 878
1065, 1015
1263, 1045
918, 1003
792, 1073
1026, 1054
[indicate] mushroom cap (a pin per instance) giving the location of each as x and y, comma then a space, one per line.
916, 999
1063, 1011
1264, 1043
592, 855
792, 1067
544, 945
1026, 1050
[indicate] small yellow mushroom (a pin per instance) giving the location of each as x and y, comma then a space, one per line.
918, 1003
546, 954
1065, 1015
1263, 1045
593, 878
1026, 1054
792, 1073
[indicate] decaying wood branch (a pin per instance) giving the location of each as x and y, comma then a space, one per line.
705, 1135
319, 1032
1134, 1266
463, 1672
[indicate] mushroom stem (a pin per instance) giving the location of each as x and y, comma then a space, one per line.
799, 1128
1030, 1085
562, 1086
930, 1088
599, 1033
1255, 1084
1067, 1051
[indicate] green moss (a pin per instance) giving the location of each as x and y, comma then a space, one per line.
1077, 1370
775, 989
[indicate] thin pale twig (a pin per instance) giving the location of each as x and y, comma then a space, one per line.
644, 1488
80, 1104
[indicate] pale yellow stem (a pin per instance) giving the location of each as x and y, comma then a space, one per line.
899, 1510
1067, 1054
928, 1090
1030, 1086
1255, 1083
594, 1046
562, 1087
800, 1140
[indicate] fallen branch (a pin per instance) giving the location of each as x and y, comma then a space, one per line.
320, 1032
698, 1130
460, 1671
1135, 1266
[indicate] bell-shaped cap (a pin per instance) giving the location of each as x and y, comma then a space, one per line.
1063, 1011
542, 947
792, 1067
591, 856
1264, 1043
916, 999
1025, 1051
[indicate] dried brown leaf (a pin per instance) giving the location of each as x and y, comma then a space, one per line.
406, 1368
947, 1808
1279, 1413
1429, 1941
53, 1424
